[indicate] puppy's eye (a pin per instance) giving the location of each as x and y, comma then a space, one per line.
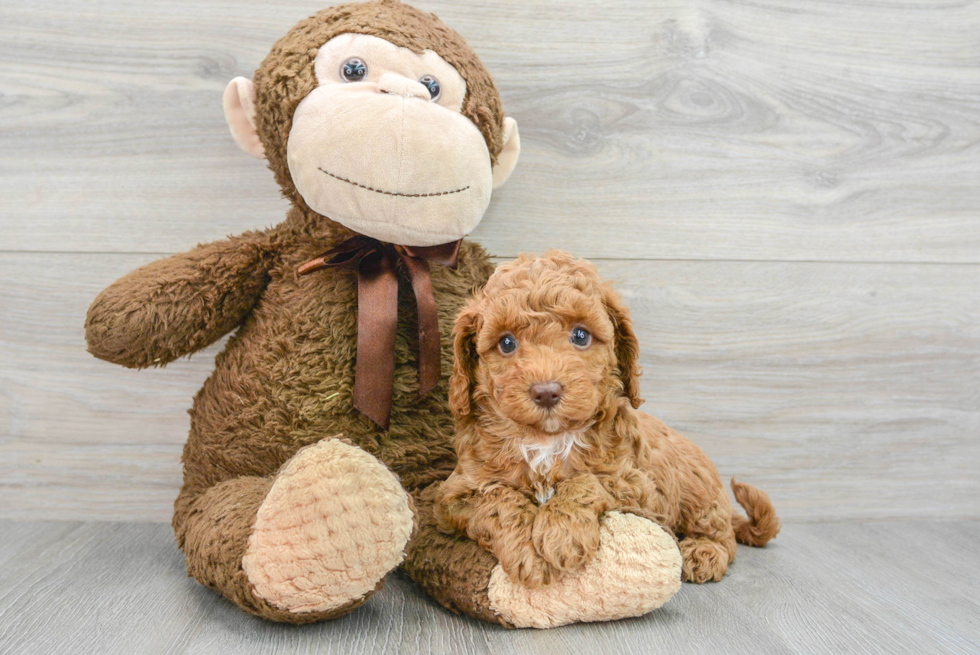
432, 84
507, 344
354, 70
580, 337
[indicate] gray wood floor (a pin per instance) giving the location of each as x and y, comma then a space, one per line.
883, 587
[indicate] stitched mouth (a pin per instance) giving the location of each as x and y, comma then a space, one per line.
395, 193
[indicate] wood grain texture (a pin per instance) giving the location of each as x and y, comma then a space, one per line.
886, 587
844, 390
678, 129
785, 191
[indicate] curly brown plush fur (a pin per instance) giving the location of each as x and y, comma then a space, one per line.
285, 379
592, 450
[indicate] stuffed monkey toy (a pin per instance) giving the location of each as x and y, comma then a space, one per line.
315, 443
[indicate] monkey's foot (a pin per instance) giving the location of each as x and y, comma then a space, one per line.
636, 570
332, 526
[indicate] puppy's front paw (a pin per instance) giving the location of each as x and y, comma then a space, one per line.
637, 569
566, 538
523, 565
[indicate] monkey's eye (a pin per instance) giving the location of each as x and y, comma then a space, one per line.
432, 84
580, 337
354, 70
507, 344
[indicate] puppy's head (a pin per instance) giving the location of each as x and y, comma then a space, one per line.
546, 345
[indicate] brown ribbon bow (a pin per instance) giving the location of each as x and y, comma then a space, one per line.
377, 314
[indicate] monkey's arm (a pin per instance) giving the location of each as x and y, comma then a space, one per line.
501, 520
180, 304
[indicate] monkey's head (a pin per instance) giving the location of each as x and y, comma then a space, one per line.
378, 116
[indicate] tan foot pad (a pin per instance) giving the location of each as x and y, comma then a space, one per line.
335, 522
637, 569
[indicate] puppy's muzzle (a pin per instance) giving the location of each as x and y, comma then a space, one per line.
546, 394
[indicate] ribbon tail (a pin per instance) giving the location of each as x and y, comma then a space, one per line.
430, 353
377, 321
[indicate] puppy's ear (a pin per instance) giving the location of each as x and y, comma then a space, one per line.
464, 359
627, 345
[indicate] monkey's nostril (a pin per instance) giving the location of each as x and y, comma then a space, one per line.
546, 394
395, 84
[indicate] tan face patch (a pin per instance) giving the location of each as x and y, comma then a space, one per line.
287, 76
378, 57
378, 154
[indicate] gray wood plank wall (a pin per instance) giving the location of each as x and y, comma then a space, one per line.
786, 191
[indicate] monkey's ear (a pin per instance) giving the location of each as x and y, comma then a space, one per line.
239, 102
464, 360
507, 159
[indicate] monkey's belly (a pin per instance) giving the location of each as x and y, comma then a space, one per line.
286, 379
275, 390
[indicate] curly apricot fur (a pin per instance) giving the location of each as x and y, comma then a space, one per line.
605, 455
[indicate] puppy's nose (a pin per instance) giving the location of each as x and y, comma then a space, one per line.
546, 394
398, 85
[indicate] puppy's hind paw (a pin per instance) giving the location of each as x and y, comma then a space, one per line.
704, 560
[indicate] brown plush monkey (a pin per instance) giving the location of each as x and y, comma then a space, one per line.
382, 127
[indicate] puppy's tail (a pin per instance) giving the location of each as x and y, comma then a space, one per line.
762, 524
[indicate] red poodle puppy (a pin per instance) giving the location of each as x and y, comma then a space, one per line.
545, 388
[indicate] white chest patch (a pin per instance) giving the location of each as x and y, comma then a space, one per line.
543, 493
542, 457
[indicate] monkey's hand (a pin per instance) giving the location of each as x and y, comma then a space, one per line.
566, 528
180, 304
